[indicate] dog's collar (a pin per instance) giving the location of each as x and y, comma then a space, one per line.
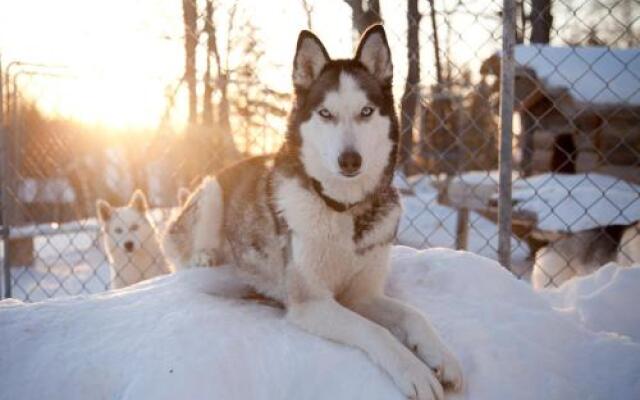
333, 204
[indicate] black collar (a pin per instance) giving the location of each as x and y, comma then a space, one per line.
331, 203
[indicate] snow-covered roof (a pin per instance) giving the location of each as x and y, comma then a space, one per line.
559, 202
572, 203
596, 75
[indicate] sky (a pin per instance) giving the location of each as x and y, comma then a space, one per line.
122, 55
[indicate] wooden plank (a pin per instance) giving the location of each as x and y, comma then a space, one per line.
21, 252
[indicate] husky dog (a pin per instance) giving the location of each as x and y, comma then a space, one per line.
130, 241
582, 253
312, 226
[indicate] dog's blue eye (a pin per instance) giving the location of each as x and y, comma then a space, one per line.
366, 111
118, 230
324, 113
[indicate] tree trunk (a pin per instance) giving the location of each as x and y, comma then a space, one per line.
411, 94
541, 21
364, 18
190, 15
207, 105
308, 11
520, 33
436, 42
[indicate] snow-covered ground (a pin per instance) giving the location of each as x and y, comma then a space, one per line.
426, 223
605, 301
172, 337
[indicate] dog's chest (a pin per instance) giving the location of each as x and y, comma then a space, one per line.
324, 249
333, 246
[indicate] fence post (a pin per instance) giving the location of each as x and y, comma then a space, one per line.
4, 233
507, 71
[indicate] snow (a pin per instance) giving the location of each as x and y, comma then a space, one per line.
50, 190
426, 223
171, 337
605, 301
598, 75
66, 264
572, 203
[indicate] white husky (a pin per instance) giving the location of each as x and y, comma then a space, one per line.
130, 241
312, 226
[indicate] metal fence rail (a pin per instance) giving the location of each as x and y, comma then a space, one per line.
520, 125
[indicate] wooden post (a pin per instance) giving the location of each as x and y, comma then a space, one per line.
462, 229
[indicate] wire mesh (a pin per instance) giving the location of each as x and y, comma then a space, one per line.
576, 137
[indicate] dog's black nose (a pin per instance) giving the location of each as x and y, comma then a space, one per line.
128, 246
350, 162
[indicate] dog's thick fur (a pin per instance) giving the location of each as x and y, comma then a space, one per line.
312, 226
130, 241
582, 253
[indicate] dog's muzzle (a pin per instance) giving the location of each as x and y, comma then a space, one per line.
128, 246
350, 162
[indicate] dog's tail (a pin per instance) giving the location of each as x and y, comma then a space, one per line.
193, 237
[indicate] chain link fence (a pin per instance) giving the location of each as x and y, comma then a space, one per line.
525, 150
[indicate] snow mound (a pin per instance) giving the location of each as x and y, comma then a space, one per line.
606, 300
171, 337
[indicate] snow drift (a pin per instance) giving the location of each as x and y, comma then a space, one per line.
605, 301
172, 337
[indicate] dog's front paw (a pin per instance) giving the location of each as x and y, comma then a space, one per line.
440, 359
449, 371
204, 258
418, 382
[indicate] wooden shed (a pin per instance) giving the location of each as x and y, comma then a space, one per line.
579, 109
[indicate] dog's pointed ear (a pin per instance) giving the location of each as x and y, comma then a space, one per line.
310, 58
374, 53
103, 210
139, 201
183, 196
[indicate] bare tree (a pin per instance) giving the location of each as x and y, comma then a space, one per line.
207, 101
541, 20
605, 23
223, 73
436, 42
190, 15
219, 119
410, 97
308, 11
365, 13
244, 104
253, 103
